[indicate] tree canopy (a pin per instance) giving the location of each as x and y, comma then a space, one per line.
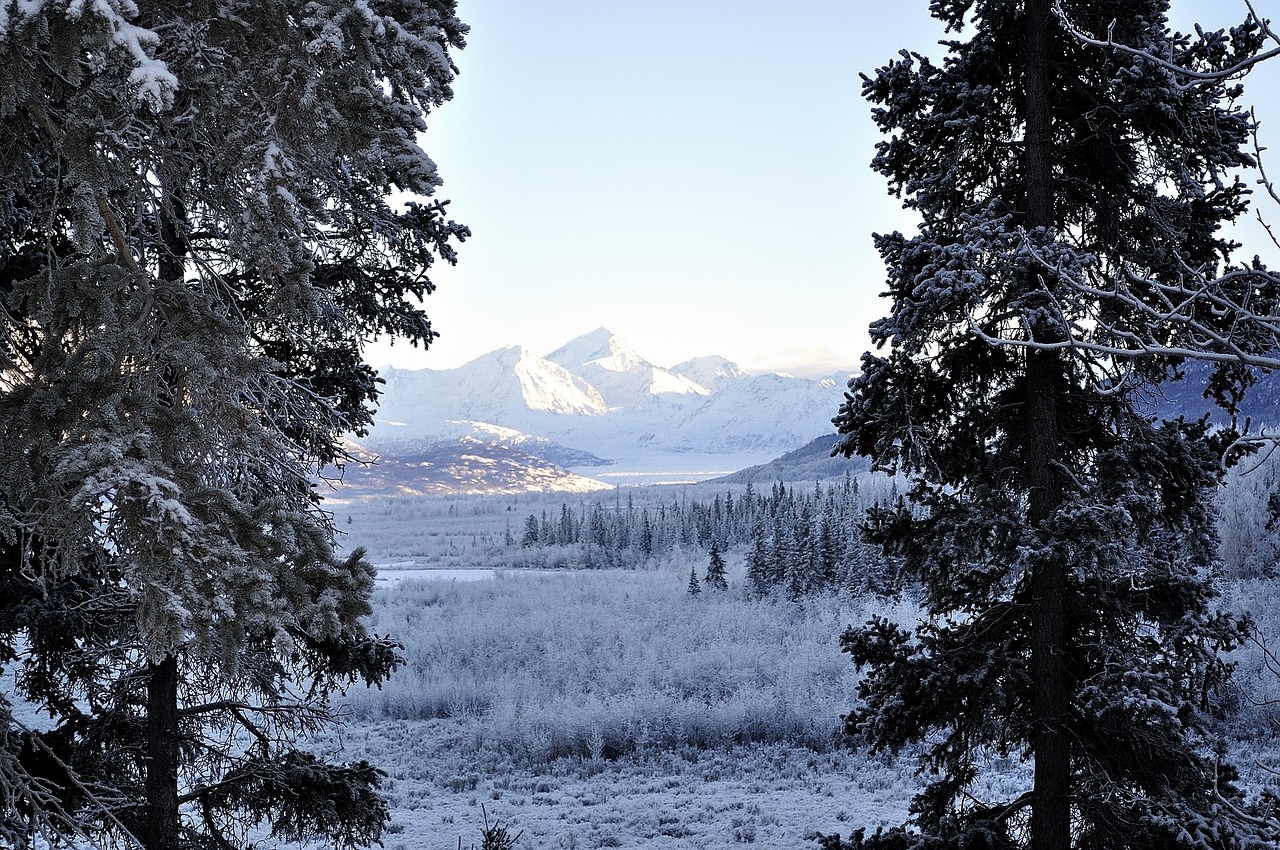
1070, 258
197, 240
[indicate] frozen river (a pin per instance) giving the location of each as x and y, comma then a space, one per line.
390, 576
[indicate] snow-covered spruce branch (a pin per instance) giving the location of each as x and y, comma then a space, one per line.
1135, 353
238, 705
1265, 824
1259, 447
113, 224
1263, 179
1177, 305
1179, 299
1192, 77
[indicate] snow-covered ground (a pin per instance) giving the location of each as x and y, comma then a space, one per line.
392, 576
610, 709
769, 795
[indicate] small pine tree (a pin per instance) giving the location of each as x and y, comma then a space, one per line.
694, 587
715, 578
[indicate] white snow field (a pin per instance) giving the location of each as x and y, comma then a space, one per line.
611, 709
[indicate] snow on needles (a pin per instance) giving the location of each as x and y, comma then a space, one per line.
150, 80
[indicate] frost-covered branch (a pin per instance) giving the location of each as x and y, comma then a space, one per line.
1191, 76
37, 801
1156, 315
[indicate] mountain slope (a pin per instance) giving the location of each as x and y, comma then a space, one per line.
464, 466
1186, 398
711, 372
501, 387
810, 462
403, 443
766, 412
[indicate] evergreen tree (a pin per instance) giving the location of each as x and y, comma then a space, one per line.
759, 570
715, 577
568, 528
1068, 257
195, 246
646, 533
827, 553
694, 586
531, 533
801, 562
780, 554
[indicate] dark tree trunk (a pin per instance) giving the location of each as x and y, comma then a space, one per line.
1051, 803
162, 756
162, 683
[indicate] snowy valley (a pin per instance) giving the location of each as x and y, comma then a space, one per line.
609, 707
561, 681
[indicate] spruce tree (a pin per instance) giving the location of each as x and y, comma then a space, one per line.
715, 577
530, 536
1069, 258
646, 533
826, 556
695, 587
759, 563
196, 243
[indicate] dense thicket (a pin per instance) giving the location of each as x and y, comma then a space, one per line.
195, 245
796, 542
1069, 258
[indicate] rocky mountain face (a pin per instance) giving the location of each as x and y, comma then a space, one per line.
455, 466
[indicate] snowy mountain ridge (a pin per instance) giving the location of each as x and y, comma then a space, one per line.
597, 396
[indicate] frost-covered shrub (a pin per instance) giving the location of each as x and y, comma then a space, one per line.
597, 664
1251, 709
1249, 518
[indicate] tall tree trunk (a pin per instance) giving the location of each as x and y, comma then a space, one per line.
162, 755
162, 682
1051, 804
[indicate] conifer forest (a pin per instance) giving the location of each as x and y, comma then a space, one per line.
1037, 611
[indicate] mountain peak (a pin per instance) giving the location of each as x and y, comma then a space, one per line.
710, 372
603, 347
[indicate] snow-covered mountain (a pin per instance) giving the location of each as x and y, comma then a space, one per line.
404, 443
596, 400
770, 413
811, 462
710, 372
510, 420
622, 377
499, 387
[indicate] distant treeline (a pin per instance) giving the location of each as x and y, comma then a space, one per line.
796, 543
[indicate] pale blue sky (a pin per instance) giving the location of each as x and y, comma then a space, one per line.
691, 174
